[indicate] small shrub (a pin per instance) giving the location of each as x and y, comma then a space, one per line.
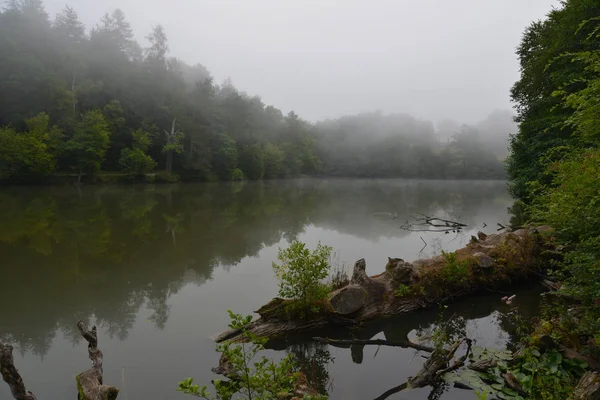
403, 290
236, 175
339, 275
300, 275
250, 378
454, 272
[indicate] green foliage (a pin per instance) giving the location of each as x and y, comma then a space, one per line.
236, 174
135, 162
554, 167
274, 159
252, 162
58, 68
249, 378
224, 155
454, 272
301, 273
555, 94
403, 290
29, 155
90, 142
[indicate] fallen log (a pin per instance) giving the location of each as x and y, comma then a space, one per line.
492, 261
89, 382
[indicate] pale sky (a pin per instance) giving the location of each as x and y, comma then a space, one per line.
325, 58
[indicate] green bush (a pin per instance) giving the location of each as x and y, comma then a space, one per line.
454, 272
301, 273
252, 162
236, 175
254, 379
135, 163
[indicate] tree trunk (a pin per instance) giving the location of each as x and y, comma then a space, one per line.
169, 162
491, 261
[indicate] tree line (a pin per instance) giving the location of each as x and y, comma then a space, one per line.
78, 101
554, 167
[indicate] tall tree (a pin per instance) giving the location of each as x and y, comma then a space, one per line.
89, 143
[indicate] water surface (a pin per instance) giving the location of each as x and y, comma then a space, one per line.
156, 268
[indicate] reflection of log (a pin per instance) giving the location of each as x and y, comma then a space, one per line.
11, 375
432, 369
89, 382
377, 342
494, 260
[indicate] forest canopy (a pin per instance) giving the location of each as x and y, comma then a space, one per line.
84, 101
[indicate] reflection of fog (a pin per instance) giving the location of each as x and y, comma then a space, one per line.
107, 251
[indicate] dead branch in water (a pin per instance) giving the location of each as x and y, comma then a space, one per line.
432, 369
11, 376
377, 342
89, 382
425, 223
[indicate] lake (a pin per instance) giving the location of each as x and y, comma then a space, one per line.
157, 266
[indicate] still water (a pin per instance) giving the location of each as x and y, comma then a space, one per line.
156, 268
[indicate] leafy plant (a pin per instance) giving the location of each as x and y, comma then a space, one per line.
248, 378
454, 272
301, 273
403, 290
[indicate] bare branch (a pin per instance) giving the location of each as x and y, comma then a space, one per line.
89, 382
377, 342
11, 376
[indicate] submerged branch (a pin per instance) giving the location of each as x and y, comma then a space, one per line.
376, 342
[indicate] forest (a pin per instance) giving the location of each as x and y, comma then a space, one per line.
87, 103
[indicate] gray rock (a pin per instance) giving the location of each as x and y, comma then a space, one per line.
483, 260
348, 300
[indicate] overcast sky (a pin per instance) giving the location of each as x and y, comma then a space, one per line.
324, 58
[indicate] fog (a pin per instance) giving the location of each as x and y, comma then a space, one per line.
264, 89
434, 59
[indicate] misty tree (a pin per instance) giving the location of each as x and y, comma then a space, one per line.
173, 145
135, 162
58, 69
68, 25
156, 53
89, 143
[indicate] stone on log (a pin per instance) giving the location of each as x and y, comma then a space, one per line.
483, 260
348, 300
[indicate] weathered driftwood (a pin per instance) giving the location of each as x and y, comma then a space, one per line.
588, 387
11, 376
436, 365
89, 382
491, 260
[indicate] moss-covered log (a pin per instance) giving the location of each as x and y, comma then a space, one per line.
488, 261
